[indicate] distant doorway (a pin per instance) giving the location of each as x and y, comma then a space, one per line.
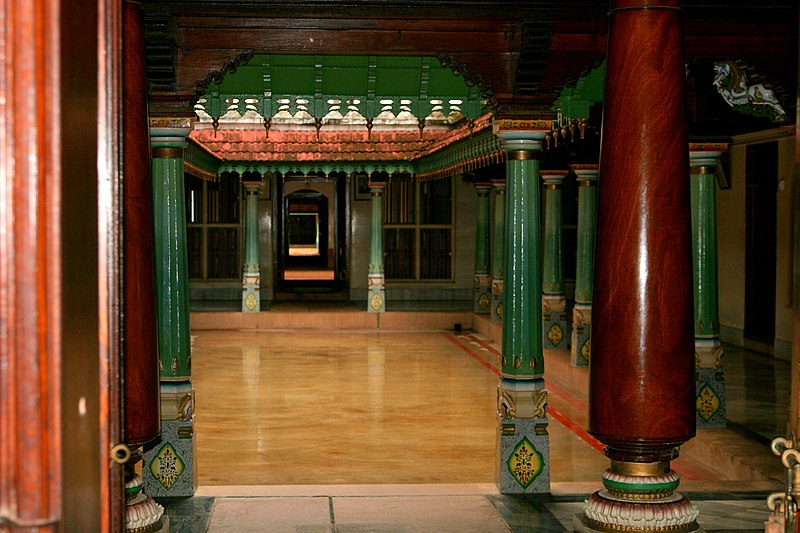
312, 236
760, 241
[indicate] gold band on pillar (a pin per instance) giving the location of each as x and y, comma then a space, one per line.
702, 170
586, 183
626, 468
522, 155
167, 152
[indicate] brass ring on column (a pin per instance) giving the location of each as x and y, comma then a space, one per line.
522, 155
167, 152
702, 170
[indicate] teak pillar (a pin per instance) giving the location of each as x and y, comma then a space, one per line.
554, 303
251, 270
376, 299
498, 248
522, 440
169, 465
140, 339
641, 388
581, 346
710, 401
482, 283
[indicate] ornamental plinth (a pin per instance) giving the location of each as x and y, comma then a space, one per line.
642, 382
522, 438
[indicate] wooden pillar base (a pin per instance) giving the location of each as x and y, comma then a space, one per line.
142, 513
639, 497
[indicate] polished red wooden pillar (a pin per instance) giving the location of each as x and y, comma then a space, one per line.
642, 367
142, 420
140, 338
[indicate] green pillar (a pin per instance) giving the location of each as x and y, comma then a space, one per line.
482, 284
376, 299
581, 349
168, 467
554, 303
251, 272
523, 442
710, 402
498, 248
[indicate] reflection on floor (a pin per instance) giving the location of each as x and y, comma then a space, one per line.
394, 431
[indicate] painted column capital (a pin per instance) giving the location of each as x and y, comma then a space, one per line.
499, 186
376, 188
483, 188
168, 135
705, 155
587, 173
521, 135
252, 186
554, 178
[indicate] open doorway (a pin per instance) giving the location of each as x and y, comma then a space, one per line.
760, 244
312, 235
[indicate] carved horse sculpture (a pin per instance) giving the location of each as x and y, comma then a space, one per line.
732, 83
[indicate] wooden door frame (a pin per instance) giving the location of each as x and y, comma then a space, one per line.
59, 266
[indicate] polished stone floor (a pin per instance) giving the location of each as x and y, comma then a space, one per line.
393, 431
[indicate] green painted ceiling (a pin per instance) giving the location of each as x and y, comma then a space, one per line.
320, 84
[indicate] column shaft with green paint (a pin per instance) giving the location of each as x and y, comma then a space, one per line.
251, 270
554, 303
708, 348
581, 348
168, 468
523, 442
498, 248
482, 284
376, 299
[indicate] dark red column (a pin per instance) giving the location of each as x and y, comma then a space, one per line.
140, 344
641, 388
642, 369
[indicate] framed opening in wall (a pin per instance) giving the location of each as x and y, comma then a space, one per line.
418, 229
214, 227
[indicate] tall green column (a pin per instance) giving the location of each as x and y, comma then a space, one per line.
482, 284
554, 303
703, 160
169, 465
498, 248
523, 442
376, 299
251, 272
581, 349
